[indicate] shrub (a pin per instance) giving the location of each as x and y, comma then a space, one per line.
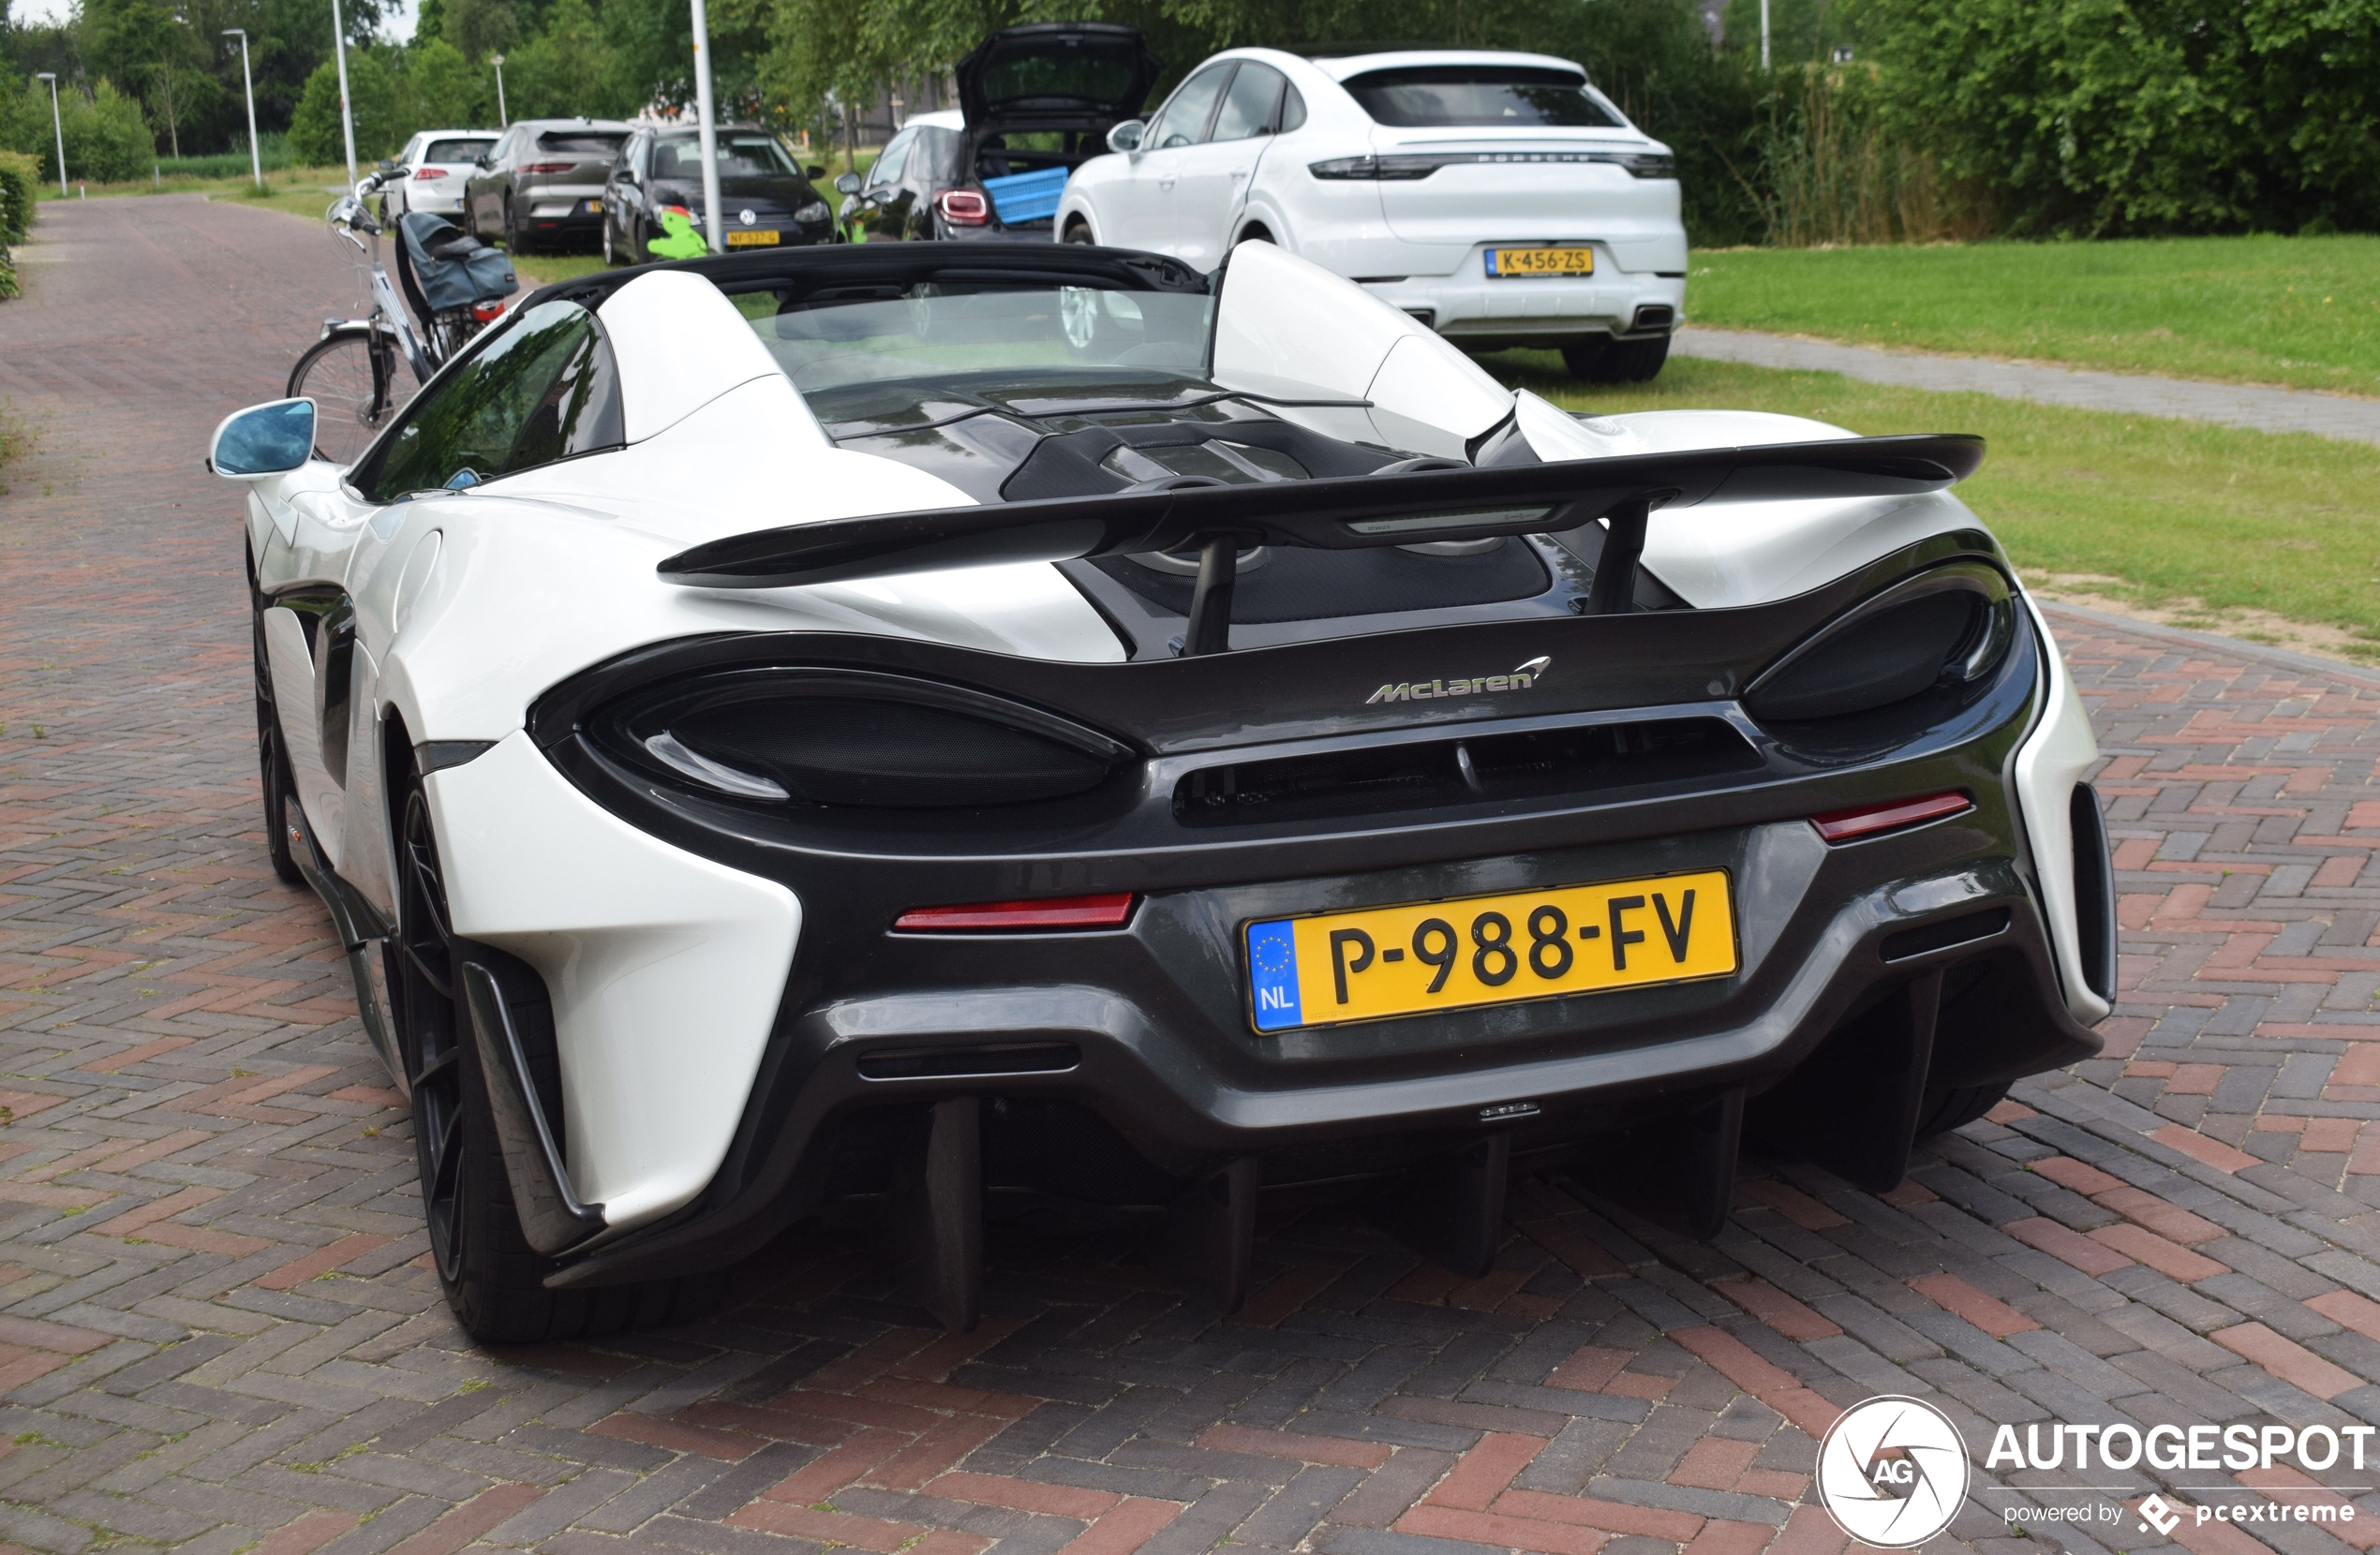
19, 174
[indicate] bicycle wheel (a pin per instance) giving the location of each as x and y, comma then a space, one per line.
357, 381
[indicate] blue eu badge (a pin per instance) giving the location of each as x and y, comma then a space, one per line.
1273, 972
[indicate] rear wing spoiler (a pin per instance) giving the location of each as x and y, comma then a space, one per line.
1401, 507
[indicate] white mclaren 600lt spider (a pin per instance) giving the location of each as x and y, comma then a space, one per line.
880, 732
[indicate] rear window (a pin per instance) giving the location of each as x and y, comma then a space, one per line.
579, 142
942, 330
1432, 96
739, 157
455, 151
1078, 75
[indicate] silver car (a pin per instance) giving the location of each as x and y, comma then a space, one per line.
543, 185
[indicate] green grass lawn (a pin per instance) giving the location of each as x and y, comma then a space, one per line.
2301, 312
2163, 512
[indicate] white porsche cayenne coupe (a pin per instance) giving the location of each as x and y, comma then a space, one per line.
1499, 198
888, 731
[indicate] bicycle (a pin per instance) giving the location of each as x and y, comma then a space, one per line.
363, 370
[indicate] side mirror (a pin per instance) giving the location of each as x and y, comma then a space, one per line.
264, 439
1126, 135
387, 165
626, 175
487, 160
814, 171
848, 184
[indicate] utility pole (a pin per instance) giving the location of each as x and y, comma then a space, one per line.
1763, 34
57, 126
256, 157
346, 111
504, 119
706, 125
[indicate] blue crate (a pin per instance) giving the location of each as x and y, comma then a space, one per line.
1024, 196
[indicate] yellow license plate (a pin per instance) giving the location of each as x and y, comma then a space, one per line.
1505, 262
751, 240
1489, 950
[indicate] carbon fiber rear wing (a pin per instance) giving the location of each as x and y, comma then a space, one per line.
1398, 507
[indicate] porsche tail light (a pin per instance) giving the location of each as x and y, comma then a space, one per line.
964, 207
1952, 625
855, 738
1398, 167
1890, 816
548, 167
428, 173
1107, 911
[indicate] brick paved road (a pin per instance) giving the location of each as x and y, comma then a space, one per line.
215, 1333
2258, 408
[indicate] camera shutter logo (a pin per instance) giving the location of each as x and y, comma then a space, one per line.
1892, 1471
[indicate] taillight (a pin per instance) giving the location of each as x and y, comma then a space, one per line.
1107, 911
1866, 821
430, 173
964, 207
549, 167
487, 312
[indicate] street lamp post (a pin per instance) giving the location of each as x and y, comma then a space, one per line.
503, 118
1763, 34
58, 126
347, 112
256, 158
706, 125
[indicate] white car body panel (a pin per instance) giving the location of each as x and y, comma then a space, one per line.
2051, 762
664, 967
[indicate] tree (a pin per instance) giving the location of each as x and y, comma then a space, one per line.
443, 90
569, 68
481, 27
315, 136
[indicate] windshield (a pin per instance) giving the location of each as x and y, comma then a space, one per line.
937, 329
1430, 96
739, 157
455, 151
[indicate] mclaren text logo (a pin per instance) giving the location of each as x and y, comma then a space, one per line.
1892, 1471
1520, 679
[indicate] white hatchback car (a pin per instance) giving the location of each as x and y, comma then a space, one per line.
1496, 196
436, 163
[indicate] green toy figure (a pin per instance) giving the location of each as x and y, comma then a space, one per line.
680, 241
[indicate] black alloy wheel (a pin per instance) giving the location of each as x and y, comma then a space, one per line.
273, 763
512, 229
430, 1039
491, 1277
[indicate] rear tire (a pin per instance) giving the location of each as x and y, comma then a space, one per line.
1617, 361
1956, 1106
491, 1277
513, 242
280, 788
357, 382
1079, 231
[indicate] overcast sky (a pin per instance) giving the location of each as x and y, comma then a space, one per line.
401, 14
